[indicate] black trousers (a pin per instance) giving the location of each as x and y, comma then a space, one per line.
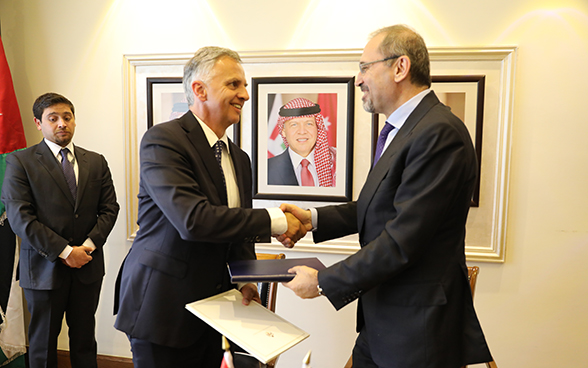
78, 301
205, 353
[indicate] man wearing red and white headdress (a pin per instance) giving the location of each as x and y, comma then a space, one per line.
308, 159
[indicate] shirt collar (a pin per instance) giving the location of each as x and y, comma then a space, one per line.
399, 116
55, 148
296, 158
211, 136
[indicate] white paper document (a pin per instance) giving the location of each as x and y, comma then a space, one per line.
259, 331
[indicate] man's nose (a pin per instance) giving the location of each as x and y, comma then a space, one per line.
244, 94
359, 80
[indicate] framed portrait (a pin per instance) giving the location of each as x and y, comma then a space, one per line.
166, 100
302, 126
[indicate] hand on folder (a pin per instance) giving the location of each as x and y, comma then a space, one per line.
299, 222
305, 283
250, 293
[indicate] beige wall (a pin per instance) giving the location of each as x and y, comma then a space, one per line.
533, 307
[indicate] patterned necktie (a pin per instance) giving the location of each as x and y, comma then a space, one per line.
68, 171
305, 175
382, 141
218, 153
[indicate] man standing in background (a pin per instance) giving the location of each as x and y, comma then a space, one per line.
61, 202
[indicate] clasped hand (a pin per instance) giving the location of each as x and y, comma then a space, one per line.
79, 256
299, 223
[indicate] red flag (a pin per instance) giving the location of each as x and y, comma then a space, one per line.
11, 132
328, 104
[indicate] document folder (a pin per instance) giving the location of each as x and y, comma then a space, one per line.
256, 329
269, 270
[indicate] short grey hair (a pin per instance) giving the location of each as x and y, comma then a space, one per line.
402, 40
200, 67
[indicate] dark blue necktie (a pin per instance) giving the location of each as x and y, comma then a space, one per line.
382, 141
218, 153
68, 172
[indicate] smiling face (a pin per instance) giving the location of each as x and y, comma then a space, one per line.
57, 124
301, 134
226, 92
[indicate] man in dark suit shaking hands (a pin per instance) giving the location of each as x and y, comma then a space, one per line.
61, 202
415, 307
195, 199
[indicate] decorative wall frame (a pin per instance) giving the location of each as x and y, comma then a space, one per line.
335, 96
486, 227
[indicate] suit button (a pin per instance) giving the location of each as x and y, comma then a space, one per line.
218, 286
76, 215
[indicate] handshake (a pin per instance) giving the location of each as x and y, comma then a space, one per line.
299, 223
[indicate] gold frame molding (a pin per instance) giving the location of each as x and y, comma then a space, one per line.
486, 232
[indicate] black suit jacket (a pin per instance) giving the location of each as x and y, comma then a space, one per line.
42, 212
186, 234
410, 274
280, 170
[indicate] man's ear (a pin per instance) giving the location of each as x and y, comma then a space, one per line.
401, 68
37, 123
199, 89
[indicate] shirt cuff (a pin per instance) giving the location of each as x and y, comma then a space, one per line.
313, 218
66, 251
278, 219
90, 244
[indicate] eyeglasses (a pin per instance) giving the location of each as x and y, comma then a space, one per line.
363, 67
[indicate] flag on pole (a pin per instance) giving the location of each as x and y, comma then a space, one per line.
227, 357
12, 332
12, 138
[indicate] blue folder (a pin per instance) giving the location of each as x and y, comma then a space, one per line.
269, 270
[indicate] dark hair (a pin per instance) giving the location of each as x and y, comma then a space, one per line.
401, 40
47, 100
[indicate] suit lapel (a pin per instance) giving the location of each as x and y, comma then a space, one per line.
378, 172
198, 139
49, 162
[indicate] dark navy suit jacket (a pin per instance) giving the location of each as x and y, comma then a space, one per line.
410, 274
186, 234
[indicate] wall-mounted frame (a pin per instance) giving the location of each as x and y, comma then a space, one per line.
335, 97
166, 100
486, 227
